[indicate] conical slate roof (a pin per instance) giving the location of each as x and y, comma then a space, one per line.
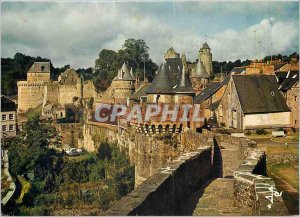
200, 70
205, 46
124, 74
184, 85
162, 81
131, 72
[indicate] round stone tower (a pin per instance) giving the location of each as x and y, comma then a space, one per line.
206, 57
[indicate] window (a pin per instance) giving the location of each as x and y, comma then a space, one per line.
3, 117
296, 98
295, 122
4, 128
11, 117
11, 127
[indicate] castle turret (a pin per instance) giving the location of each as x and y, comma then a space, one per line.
205, 56
199, 77
39, 72
171, 54
123, 84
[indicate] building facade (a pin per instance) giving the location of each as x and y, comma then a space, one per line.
252, 102
8, 118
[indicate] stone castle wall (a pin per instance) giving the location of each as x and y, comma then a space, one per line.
147, 151
70, 134
30, 95
93, 133
163, 193
67, 93
293, 103
51, 92
38, 77
88, 89
252, 187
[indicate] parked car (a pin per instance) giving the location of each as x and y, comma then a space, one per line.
79, 150
72, 152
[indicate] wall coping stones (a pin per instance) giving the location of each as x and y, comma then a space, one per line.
252, 189
131, 202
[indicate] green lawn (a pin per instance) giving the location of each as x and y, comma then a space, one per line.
287, 172
82, 157
276, 149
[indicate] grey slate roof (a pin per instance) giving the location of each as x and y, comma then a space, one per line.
208, 92
7, 104
124, 74
200, 71
140, 92
259, 94
184, 85
277, 66
214, 105
167, 77
205, 46
291, 78
43, 67
238, 70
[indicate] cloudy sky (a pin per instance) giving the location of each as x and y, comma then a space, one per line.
75, 32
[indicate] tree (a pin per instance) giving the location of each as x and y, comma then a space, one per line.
104, 151
134, 52
30, 152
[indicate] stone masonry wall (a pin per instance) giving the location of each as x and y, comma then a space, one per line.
293, 103
252, 187
94, 133
70, 133
162, 193
29, 95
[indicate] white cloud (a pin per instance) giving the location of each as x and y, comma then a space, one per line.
74, 34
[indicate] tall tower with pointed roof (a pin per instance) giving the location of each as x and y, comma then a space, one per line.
199, 77
171, 54
123, 85
205, 56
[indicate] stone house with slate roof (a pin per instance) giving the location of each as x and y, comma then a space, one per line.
252, 102
289, 86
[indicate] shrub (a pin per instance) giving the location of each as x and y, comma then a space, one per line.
104, 151
261, 131
248, 133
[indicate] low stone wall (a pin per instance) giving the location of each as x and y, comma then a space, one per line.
253, 190
162, 193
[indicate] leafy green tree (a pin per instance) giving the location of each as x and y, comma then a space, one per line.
30, 152
104, 151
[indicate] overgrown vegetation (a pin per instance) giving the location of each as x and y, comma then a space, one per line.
168, 138
261, 132
52, 182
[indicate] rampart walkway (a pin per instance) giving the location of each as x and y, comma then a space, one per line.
216, 199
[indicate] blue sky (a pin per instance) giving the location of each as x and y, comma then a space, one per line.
75, 32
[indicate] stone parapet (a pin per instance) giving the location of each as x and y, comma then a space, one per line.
163, 192
254, 190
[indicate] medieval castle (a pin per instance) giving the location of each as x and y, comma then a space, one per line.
176, 81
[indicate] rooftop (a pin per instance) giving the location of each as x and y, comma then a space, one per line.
259, 94
40, 67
